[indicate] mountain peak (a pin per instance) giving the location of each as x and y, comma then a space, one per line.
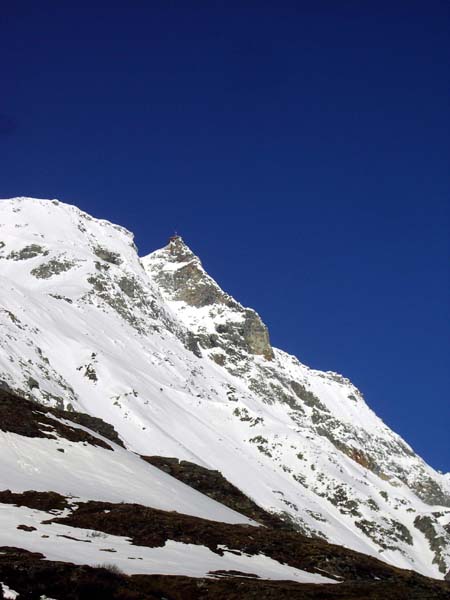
178, 250
216, 319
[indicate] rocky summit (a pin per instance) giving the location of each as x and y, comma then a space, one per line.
154, 444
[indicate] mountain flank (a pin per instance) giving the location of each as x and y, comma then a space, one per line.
135, 392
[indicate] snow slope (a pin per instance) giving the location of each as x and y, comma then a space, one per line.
87, 472
158, 350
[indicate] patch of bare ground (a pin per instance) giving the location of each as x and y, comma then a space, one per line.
151, 527
213, 484
45, 501
362, 577
31, 419
32, 577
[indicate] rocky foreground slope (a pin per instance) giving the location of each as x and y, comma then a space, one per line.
62, 539
155, 348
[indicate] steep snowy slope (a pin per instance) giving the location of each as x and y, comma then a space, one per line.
71, 468
46, 452
74, 546
180, 369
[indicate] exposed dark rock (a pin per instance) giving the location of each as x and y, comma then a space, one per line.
346, 505
34, 577
107, 255
152, 528
45, 501
123, 302
307, 397
213, 484
430, 492
26, 527
27, 252
363, 575
30, 419
191, 287
256, 335
90, 372
437, 543
191, 342
52, 267
219, 359
96, 424
386, 535
189, 283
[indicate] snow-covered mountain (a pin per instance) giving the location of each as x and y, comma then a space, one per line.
156, 348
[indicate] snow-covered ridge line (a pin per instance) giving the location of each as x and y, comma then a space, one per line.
71, 208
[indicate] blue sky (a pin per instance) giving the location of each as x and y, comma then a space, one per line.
301, 149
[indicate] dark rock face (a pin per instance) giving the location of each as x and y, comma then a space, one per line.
152, 528
107, 255
431, 493
94, 423
437, 543
191, 342
27, 252
256, 335
361, 576
34, 577
52, 267
190, 284
45, 501
213, 484
30, 419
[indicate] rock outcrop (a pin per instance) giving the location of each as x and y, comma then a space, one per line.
181, 277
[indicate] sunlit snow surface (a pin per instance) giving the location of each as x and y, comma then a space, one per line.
89, 472
66, 312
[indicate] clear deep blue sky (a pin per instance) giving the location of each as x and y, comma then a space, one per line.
300, 148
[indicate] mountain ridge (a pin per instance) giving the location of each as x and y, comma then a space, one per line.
156, 348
